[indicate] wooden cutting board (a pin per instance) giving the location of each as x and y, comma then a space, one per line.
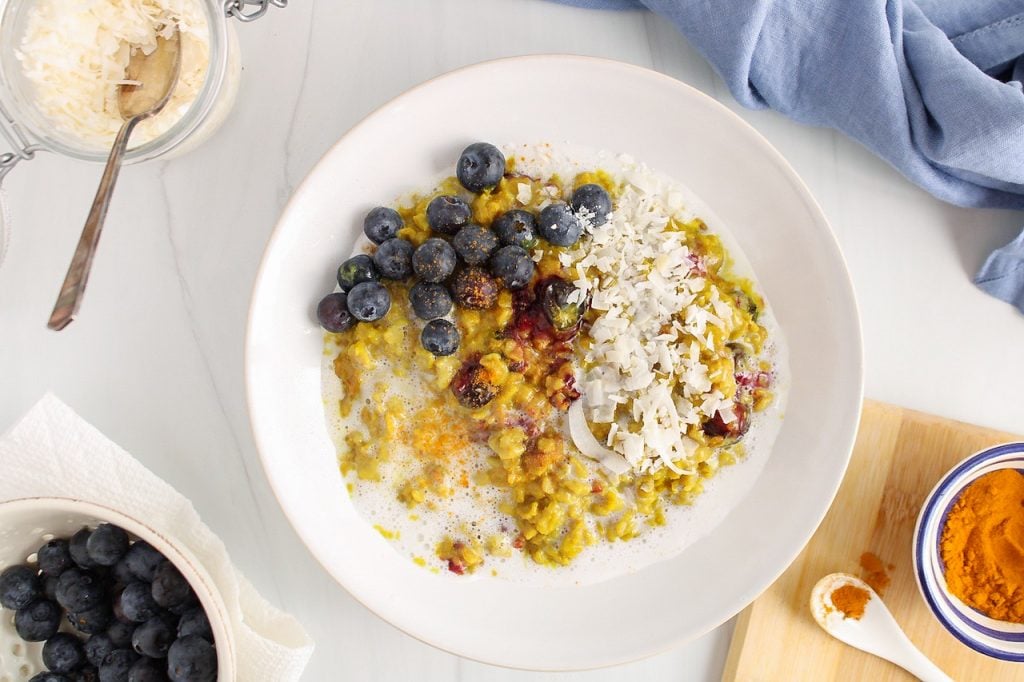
899, 456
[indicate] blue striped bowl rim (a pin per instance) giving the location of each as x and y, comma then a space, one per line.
994, 638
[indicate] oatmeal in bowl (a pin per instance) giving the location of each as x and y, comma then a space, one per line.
547, 368
728, 530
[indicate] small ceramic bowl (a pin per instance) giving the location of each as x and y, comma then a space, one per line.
994, 638
26, 524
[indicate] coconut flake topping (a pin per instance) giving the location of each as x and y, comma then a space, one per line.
644, 365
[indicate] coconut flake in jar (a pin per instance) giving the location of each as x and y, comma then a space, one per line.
75, 55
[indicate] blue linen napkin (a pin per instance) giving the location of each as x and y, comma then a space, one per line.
931, 86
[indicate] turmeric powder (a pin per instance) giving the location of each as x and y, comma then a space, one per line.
850, 600
982, 546
874, 572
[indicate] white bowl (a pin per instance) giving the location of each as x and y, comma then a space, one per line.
27, 523
995, 638
674, 129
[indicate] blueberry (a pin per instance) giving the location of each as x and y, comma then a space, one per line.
79, 590
117, 664
594, 201
135, 602
475, 289
19, 586
447, 214
393, 259
78, 550
63, 653
38, 621
559, 225
154, 637
47, 676
107, 544
142, 560
147, 670
440, 337
50, 587
430, 301
92, 621
98, 647
195, 622
121, 573
169, 586
475, 244
382, 224
184, 606
434, 260
120, 634
333, 315
472, 386
54, 557
560, 306
369, 301
480, 167
516, 228
359, 268
513, 266
88, 673
192, 659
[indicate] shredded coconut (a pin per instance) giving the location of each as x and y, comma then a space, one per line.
646, 352
75, 54
524, 193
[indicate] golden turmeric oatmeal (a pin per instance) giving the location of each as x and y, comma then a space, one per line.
543, 362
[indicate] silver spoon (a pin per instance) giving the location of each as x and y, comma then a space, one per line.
151, 80
875, 632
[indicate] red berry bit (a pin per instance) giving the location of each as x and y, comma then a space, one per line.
732, 431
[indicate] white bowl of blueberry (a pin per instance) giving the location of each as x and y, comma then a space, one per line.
91, 594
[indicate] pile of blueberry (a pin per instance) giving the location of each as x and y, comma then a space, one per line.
111, 610
462, 263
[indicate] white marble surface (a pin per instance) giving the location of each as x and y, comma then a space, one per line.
155, 360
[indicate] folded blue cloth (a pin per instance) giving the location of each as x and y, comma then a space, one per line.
1002, 275
931, 86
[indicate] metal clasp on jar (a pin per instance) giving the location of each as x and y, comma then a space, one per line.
23, 150
250, 10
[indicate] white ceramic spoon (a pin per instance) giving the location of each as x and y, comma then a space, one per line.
876, 632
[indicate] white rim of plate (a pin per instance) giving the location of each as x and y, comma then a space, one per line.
743, 599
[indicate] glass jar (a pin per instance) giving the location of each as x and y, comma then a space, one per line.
29, 130
207, 112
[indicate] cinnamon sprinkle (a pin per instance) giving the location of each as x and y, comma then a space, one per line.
875, 573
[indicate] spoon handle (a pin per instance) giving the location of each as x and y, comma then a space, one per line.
917, 664
73, 289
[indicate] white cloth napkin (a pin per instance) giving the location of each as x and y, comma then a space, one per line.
270, 645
